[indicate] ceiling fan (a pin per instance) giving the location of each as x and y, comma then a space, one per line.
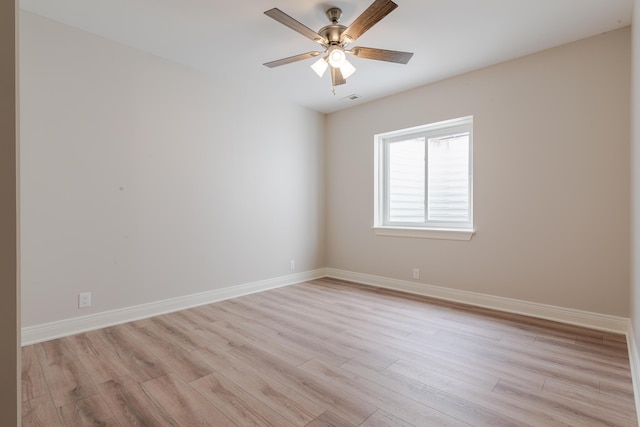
335, 38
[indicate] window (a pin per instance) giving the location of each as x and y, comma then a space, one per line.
423, 185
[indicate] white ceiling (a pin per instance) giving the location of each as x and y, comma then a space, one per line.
232, 39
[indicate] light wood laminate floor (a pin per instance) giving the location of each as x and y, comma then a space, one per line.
329, 353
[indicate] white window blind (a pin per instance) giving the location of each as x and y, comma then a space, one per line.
448, 166
406, 181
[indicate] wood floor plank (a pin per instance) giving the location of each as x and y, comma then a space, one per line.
131, 405
571, 412
241, 407
240, 309
40, 412
296, 408
530, 359
176, 357
417, 411
212, 332
332, 323
331, 353
291, 326
404, 385
239, 334
588, 353
92, 411
343, 404
363, 317
184, 404
443, 361
141, 363
221, 312
620, 390
468, 362
67, 379
188, 319
97, 357
455, 397
279, 332
382, 418
475, 405
440, 367
178, 333
599, 401
34, 383
329, 419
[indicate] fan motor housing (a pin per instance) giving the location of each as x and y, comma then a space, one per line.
332, 33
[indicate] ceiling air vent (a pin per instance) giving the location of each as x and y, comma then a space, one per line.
351, 97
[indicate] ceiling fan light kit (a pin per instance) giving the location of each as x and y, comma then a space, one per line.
335, 37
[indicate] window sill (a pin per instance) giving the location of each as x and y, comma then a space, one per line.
424, 233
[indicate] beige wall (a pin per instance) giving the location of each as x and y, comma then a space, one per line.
551, 160
143, 180
9, 316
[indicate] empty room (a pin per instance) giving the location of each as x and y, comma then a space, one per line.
304, 213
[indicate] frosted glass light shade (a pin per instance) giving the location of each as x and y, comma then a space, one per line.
347, 69
320, 66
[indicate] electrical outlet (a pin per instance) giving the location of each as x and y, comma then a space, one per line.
416, 273
292, 264
84, 299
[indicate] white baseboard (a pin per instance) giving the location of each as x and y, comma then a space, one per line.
587, 319
62, 328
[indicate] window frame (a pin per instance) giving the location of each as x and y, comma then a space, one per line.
427, 229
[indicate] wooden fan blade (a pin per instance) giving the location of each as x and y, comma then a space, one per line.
291, 59
285, 19
374, 13
336, 76
381, 54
